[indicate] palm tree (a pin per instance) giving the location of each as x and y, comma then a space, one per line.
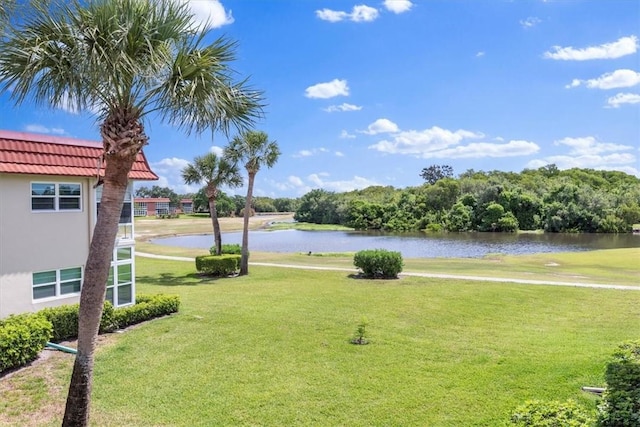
123, 59
254, 149
214, 172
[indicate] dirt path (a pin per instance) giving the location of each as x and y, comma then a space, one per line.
429, 275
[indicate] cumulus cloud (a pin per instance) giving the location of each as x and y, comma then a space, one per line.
623, 98
342, 107
320, 180
218, 151
359, 13
419, 142
169, 171
588, 152
621, 47
381, 126
480, 54
335, 87
309, 153
36, 128
346, 135
530, 22
616, 79
209, 13
589, 145
477, 150
398, 6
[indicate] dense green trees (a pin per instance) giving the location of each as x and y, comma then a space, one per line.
574, 200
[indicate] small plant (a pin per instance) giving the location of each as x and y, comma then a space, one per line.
360, 335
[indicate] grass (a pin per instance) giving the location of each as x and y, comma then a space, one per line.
272, 349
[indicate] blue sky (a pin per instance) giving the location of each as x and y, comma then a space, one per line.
364, 93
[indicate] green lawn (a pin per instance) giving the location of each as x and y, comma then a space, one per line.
273, 349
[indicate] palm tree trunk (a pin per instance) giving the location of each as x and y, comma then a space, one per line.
121, 148
217, 237
244, 259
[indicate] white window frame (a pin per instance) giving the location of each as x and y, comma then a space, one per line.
57, 283
140, 209
162, 208
56, 196
113, 272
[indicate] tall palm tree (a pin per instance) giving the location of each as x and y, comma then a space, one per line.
254, 149
124, 59
214, 172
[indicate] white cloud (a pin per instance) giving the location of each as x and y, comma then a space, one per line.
588, 152
169, 171
218, 151
589, 145
359, 13
342, 107
381, 126
339, 154
309, 153
616, 79
530, 22
480, 54
477, 150
623, 46
43, 129
209, 13
346, 135
294, 180
419, 142
332, 15
623, 98
363, 13
398, 6
335, 87
357, 182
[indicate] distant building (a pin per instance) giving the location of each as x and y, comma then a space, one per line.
151, 206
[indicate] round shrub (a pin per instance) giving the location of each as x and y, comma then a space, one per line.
379, 263
620, 404
22, 337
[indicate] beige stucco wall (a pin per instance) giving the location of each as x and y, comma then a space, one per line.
38, 241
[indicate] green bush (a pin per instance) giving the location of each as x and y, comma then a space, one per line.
64, 319
536, 413
227, 249
223, 265
620, 406
146, 308
22, 337
379, 263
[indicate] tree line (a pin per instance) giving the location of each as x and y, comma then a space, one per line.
573, 200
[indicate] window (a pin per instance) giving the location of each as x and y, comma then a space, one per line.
51, 196
125, 223
120, 282
57, 283
162, 208
140, 209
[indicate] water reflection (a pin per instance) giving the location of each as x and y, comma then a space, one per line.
413, 245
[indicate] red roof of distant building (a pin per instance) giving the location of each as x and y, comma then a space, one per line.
151, 199
29, 153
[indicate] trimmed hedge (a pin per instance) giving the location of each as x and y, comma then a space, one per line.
146, 307
223, 265
227, 249
620, 404
379, 263
64, 319
536, 413
22, 337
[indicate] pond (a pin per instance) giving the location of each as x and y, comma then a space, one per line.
413, 245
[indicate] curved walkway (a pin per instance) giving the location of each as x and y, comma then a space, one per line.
430, 275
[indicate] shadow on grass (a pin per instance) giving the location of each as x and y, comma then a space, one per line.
171, 279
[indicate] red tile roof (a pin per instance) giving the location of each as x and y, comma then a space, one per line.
29, 153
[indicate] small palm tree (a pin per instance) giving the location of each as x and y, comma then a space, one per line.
214, 172
254, 149
124, 59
